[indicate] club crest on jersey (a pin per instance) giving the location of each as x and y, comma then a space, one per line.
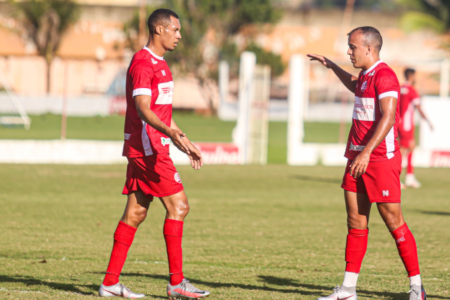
364, 86
177, 177
154, 61
165, 141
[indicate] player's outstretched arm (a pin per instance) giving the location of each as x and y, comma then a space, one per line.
194, 154
388, 107
422, 114
149, 117
346, 78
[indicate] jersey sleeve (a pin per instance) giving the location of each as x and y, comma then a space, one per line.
386, 84
142, 75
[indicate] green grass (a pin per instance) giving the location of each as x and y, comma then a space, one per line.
254, 232
198, 128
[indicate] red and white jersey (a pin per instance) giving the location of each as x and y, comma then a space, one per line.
148, 74
378, 82
409, 98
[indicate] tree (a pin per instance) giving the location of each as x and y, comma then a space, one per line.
198, 55
45, 22
426, 14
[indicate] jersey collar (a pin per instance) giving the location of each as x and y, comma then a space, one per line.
151, 52
372, 67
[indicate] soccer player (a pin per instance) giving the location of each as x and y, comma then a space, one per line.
409, 100
373, 170
149, 129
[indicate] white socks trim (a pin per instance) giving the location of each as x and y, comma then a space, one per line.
415, 280
350, 279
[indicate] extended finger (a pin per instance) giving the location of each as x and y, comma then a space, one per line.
365, 169
352, 169
361, 170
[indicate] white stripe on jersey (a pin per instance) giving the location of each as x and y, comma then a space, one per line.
407, 117
142, 91
390, 143
145, 140
388, 94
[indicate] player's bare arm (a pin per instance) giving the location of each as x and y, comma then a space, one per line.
422, 114
149, 117
194, 154
388, 106
346, 78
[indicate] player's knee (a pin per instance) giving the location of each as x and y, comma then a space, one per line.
182, 208
356, 222
138, 215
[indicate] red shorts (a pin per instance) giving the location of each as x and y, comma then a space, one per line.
154, 175
405, 137
381, 182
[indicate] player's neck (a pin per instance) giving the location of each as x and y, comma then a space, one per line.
156, 48
370, 63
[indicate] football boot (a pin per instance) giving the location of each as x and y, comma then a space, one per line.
342, 293
185, 290
118, 290
417, 292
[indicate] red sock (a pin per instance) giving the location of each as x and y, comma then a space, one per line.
173, 233
406, 245
123, 238
410, 168
356, 249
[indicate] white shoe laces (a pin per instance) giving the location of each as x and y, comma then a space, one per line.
187, 285
416, 292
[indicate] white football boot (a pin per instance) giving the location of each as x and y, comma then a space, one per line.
417, 292
342, 293
185, 290
411, 181
118, 290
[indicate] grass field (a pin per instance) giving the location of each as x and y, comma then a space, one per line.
198, 128
273, 232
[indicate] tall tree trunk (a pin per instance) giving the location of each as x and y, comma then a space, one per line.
49, 77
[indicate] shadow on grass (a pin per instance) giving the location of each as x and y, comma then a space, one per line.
439, 213
66, 287
317, 179
292, 282
229, 285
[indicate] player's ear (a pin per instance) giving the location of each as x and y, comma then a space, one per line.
159, 29
369, 49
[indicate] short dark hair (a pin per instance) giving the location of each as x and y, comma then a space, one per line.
372, 35
409, 72
159, 17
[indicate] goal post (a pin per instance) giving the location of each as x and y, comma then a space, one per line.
298, 152
12, 111
251, 133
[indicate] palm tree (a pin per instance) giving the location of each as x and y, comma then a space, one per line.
425, 14
45, 22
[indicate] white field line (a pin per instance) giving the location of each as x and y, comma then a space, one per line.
41, 292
